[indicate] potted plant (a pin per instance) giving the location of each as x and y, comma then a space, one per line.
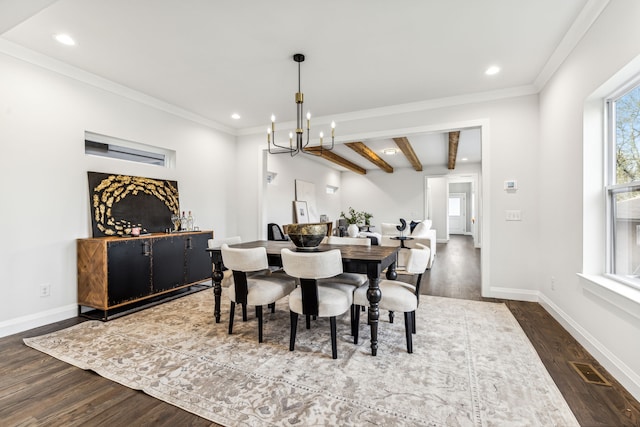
353, 219
367, 218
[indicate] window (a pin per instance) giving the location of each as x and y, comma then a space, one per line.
623, 186
115, 148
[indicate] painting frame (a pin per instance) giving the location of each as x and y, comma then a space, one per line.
301, 211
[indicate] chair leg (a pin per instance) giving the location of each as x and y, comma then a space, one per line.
294, 327
407, 331
244, 312
308, 321
390, 316
272, 306
259, 316
413, 322
334, 338
356, 324
232, 311
353, 316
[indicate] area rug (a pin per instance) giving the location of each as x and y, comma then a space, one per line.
472, 366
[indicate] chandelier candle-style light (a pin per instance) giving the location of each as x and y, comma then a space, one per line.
298, 146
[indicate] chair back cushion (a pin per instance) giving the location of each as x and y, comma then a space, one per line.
312, 265
274, 232
216, 243
335, 240
245, 259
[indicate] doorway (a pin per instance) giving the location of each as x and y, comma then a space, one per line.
457, 213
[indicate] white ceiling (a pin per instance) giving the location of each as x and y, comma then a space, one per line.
214, 58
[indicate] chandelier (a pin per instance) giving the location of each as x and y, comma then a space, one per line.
298, 145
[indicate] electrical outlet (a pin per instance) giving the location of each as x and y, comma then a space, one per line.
45, 290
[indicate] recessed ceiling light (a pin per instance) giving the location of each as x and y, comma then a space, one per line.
390, 151
235, 116
494, 69
65, 39
464, 159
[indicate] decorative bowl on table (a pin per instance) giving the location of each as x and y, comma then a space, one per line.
306, 237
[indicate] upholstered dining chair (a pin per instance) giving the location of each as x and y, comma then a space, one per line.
257, 289
312, 298
397, 295
354, 279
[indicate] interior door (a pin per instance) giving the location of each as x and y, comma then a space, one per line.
457, 213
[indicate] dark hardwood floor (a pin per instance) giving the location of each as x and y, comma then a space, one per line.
36, 389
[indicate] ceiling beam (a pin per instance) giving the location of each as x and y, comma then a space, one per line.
333, 157
370, 155
405, 146
454, 138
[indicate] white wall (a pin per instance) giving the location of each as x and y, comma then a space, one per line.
280, 194
43, 180
571, 202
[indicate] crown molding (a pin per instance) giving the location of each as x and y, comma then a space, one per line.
48, 63
590, 12
412, 107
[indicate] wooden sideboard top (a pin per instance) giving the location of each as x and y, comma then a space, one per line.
145, 236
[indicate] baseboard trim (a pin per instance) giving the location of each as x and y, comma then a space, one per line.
623, 373
513, 294
24, 323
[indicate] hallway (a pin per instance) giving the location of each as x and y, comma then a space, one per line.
456, 270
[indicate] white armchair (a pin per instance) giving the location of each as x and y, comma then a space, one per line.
422, 233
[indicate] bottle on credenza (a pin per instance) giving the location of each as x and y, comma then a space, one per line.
183, 222
190, 222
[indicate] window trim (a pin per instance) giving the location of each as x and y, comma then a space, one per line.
611, 187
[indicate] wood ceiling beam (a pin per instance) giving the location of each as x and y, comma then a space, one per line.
370, 155
405, 146
454, 139
333, 157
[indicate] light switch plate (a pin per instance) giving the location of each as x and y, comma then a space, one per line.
513, 215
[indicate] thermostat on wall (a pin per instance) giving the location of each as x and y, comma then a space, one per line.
511, 185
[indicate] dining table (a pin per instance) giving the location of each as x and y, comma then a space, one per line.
369, 260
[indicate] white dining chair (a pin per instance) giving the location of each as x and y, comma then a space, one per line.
397, 295
312, 298
354, 279
256, 290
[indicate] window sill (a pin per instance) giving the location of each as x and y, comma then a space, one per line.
616, 293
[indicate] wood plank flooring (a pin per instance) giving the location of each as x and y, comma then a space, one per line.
38, 390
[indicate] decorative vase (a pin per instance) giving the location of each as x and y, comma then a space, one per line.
353, 230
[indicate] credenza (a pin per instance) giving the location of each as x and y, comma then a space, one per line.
117, 273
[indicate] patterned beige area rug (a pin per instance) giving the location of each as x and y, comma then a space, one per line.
472, 366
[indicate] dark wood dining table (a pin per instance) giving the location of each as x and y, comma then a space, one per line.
369, 260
